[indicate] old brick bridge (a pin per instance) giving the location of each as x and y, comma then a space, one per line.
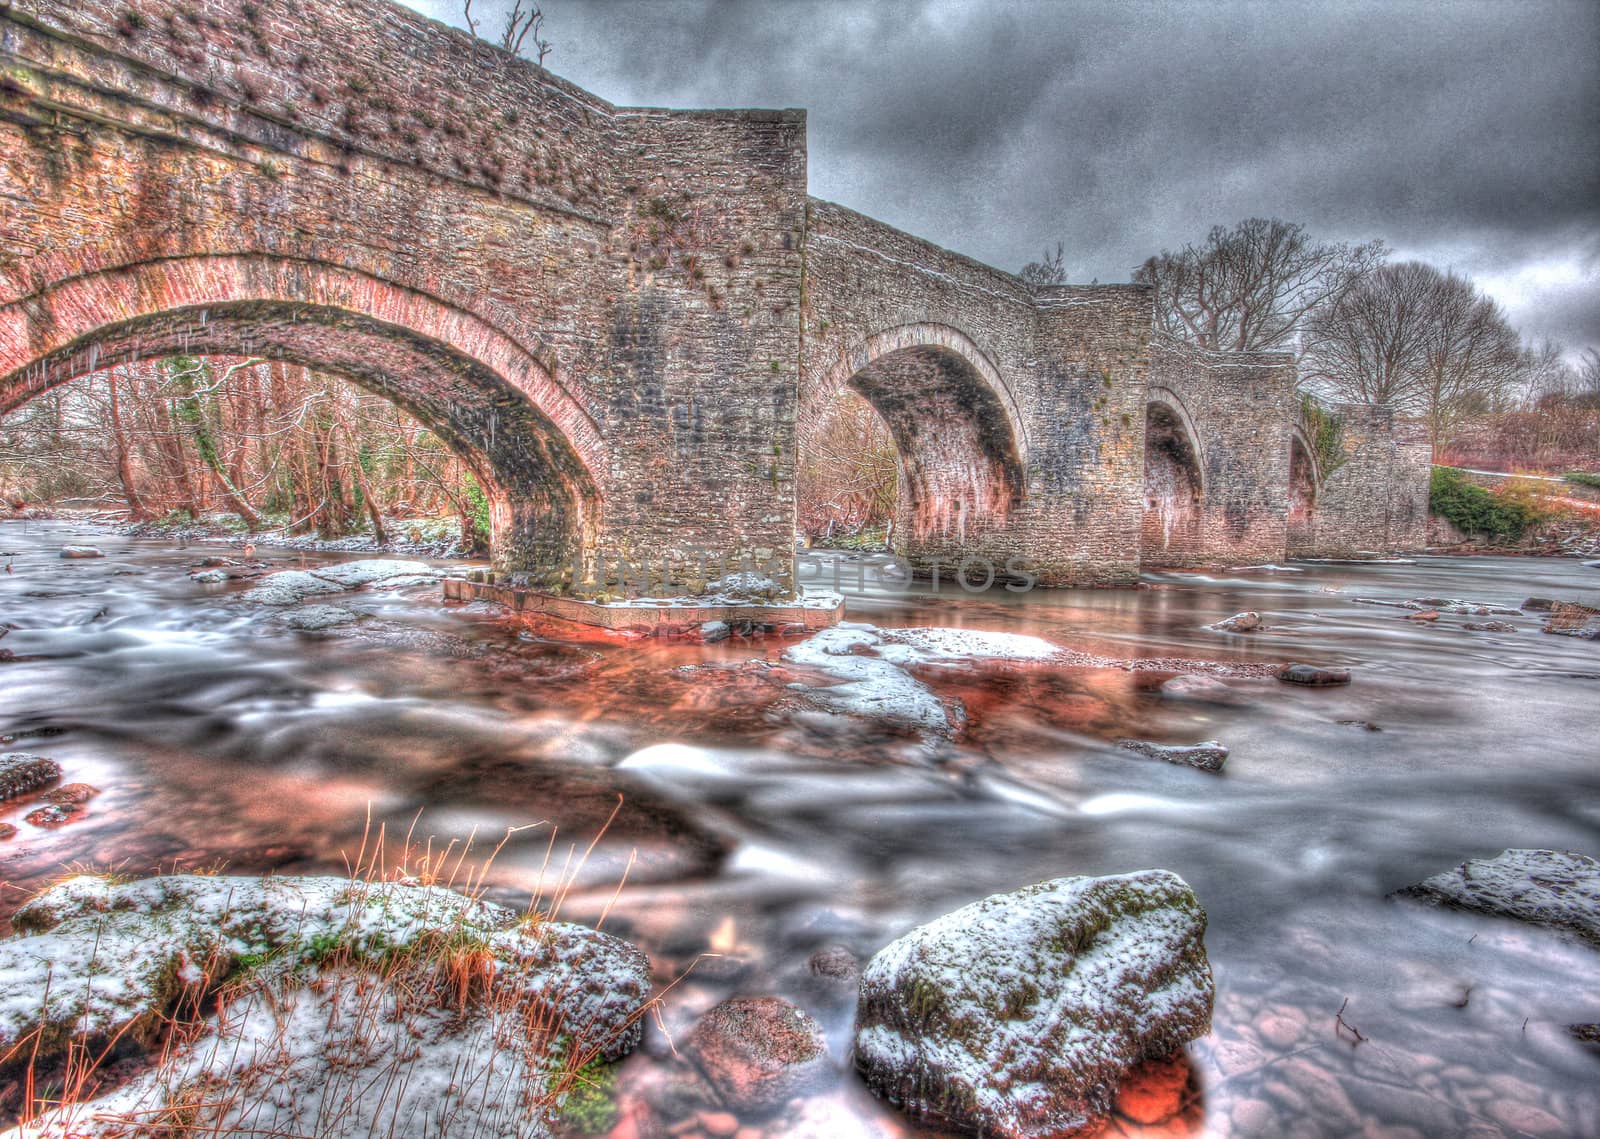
627, 321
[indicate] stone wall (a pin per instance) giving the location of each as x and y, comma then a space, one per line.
1238, 410
1375, 501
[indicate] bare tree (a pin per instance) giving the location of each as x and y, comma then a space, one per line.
523, 22
1411, 337
1050, 269
1250, 288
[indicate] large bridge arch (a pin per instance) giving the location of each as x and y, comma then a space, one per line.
528, 442
957, 430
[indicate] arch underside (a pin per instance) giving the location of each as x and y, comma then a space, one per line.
960, 465
545, 506
1302, 497
1174, 493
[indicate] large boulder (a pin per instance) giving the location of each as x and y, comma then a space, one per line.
1556, 888
331, 986
1018, 1015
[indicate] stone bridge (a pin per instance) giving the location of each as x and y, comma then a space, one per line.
626, 321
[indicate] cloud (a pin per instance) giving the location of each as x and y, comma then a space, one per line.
1462, 132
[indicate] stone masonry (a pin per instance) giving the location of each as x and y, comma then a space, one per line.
626, 321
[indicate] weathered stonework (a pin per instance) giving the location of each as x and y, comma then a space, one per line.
625, 320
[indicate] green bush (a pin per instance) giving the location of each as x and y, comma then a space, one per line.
1474, 510
1584, 478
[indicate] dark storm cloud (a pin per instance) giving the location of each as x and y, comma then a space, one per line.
1462, 133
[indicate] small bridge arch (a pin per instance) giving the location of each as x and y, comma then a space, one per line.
958, 432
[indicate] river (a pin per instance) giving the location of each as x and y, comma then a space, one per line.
763, 828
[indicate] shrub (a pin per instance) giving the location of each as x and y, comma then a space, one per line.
1584, 478
1474, 510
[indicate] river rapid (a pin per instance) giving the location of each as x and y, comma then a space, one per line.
759, 827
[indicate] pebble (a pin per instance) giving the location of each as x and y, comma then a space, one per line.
1526, 1117
718, 1124
1280, 1031
1253, 1116
55, 815
1153, 1093
7, 831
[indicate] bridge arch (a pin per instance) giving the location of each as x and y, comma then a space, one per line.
533, 448
1304, 489
1174, 482
958, 432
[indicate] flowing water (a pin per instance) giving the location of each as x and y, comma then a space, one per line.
763, 828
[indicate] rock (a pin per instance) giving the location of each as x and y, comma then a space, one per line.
1489, 627
1239, 623
1559, 889
837, 965
78, 552
209, 577
1425, 615
718, 1124
21, 773
55, 815
1588, 1033
1197, 686
713, 631
1364, 725
1207, 756
1569, 619
367, 571
1539, 604
758, 1052
7, 831
1017, 1016
71, 793
310, 618
1154, 1092
1280, 1031
332, 980
290, 587
1313, 676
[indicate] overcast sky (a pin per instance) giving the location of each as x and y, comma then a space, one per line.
1465, 134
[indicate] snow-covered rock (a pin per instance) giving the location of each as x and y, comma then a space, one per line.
353, 575
80, 552
1016, 1016
1239, 623
323, 981
310, 618
290, 587
873, 663
1557, 888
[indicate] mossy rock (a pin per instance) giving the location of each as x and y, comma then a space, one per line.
1017, 1016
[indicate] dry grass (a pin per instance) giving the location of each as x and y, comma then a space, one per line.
515, 1054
